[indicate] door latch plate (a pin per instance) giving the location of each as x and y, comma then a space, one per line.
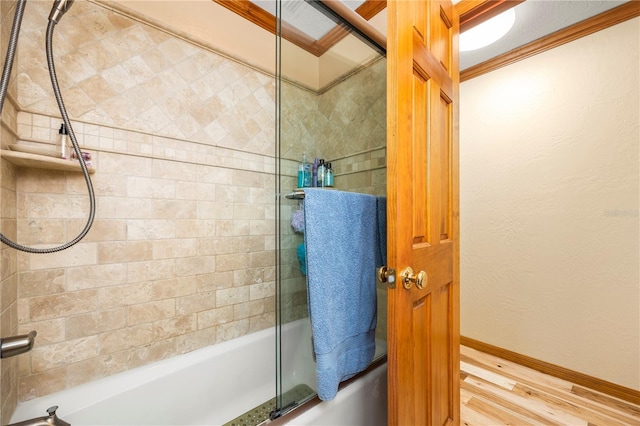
387, 275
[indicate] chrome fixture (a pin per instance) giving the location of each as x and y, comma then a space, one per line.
60, 7
297, 194
50, 420
16, 345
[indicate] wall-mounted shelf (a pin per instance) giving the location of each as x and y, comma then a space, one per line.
23, 159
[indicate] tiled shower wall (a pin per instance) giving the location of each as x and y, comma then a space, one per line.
346, 124
342, 122
8, 276
181, 252
180, 257
8, 269
119, 72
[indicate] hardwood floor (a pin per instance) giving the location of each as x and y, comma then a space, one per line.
498, 392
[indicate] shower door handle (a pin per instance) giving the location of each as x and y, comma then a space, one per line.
409, 278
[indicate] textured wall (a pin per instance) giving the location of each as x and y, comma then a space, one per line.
549, 206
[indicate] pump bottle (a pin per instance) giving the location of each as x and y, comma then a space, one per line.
63, 141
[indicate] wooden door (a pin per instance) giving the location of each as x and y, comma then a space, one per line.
423, 231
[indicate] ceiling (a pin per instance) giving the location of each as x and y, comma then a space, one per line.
536, 19
316, 58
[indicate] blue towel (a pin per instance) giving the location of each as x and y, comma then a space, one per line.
381, 255
340, 234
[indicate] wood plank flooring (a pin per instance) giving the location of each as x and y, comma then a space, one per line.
498, 392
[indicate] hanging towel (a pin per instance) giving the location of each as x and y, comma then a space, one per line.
381, 223
340, 234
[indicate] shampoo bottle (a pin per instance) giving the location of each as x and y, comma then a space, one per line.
321, 171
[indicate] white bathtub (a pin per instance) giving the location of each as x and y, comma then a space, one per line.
212, 386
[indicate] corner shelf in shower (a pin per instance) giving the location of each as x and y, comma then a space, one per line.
35, 161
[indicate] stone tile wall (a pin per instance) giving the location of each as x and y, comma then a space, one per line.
346, 125
119, 72
181, 254
8, 265
8, 276
346, 119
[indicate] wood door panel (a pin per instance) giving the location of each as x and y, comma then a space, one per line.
420, 150
441, 330
420, 19
439, 261
421, 350
442, 112
440, 38
422, 217
429, 66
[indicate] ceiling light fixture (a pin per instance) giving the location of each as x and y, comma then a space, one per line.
488, 32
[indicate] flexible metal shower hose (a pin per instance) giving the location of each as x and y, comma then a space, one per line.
11, 50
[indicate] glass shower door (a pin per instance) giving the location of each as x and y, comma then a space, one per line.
295, 381
331, 106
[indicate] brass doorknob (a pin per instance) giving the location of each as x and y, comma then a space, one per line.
409, 278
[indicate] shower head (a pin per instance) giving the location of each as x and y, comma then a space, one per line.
60, 7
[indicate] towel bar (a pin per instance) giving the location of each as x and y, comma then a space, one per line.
297, 194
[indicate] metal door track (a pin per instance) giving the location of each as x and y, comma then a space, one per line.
263, 412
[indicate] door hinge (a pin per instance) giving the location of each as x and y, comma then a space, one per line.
387, 275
